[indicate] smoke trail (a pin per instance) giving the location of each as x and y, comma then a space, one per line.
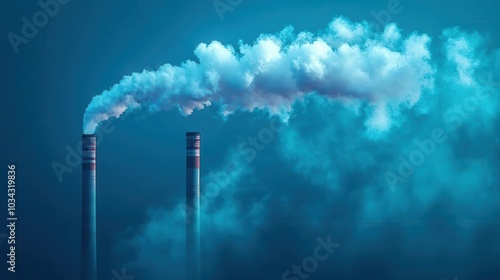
159, 244
345, 61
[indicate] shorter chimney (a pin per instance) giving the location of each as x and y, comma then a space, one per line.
193, 267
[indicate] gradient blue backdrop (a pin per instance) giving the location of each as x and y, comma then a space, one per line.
89, 45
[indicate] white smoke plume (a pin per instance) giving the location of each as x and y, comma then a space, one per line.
346, 61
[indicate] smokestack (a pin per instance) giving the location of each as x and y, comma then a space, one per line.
193, 268
89, 256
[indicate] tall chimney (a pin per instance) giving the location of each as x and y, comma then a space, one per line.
89, 256
193, 268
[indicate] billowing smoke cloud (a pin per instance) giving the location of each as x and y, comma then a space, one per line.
329, 177
345, 61
446, 201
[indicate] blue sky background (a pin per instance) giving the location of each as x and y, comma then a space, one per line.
322, 175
